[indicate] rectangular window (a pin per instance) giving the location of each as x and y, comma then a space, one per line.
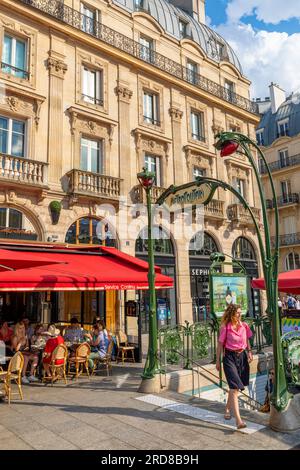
146, 49
241, 186
283, 158
182, 29
285, 190
192, 71
91, 156
139, 5
14, 57
151, 106
289, 224
283, 128
197, 126
12, 137
260, 137
229, 90
89, 18
11, 218
198, 172
92, 86
152, 163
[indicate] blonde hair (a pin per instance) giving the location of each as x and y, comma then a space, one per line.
229, 313
17, 329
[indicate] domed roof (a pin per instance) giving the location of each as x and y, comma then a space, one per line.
168, 16
290, 110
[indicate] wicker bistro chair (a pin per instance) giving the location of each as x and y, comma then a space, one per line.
59, 353
105, 360
14, 372
81, 359
124, 348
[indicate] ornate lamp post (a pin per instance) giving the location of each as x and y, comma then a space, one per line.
284, 409
150, 382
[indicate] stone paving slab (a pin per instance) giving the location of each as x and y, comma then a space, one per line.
103, 413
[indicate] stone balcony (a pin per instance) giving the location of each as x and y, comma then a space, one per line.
139, 195
20, 170
215, 210
86, 183
241, 216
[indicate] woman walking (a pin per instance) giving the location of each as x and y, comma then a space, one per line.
234, 342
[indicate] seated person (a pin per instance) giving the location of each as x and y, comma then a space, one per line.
28, 327
55, 339
5, 336
39, 338
19, 342
99, 344
74, 333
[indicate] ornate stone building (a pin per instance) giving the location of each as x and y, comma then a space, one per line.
91, 92
278, 135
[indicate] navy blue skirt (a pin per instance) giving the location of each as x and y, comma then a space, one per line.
236, 369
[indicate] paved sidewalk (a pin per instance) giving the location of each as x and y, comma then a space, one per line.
103, 413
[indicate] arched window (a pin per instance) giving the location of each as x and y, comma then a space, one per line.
161, 240
292, 261
15, 225
202, 244
242, 249
90, 231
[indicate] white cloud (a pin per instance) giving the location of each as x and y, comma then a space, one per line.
265, 56
269, 11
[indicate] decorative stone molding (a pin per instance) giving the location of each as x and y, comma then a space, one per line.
82, 121
56, 67
23, 103
124, 94
195, 158
148, 143
176, 114
97, 64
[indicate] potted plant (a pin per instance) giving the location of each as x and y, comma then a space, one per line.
55, 208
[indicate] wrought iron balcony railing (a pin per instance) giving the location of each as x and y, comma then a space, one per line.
23, 170
11, 70
280, 164
74, 18
86, 182
92, 100
292, 198
150, 120
288, 239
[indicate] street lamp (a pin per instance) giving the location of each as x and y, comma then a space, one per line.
150, 384
228, 143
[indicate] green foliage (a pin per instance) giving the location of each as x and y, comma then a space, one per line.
55, 206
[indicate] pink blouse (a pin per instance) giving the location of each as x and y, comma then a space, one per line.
235, 339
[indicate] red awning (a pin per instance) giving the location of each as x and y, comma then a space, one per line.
288, 282
11, 260
109, 269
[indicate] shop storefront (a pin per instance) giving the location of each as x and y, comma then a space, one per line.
164, 257
201, 247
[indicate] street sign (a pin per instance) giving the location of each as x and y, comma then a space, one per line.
188, 196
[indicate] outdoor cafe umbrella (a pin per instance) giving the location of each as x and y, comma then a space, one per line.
288, 282
13, 260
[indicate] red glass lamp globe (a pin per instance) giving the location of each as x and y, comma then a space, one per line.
228, 148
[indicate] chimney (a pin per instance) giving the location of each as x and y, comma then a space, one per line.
277, 96
195, 8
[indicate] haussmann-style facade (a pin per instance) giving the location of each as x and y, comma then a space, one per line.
93, 91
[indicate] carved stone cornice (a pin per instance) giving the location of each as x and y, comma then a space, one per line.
151, 143
23, 103
124, 94
83, 121
56, 67
176, 114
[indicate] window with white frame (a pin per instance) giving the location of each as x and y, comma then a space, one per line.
10, 218
197, 171
229, 90
197, 125
292, 261
260, 137
283, 157
285, 190
92, 81
89, 18
14, 56
91, 155
192, 71
151, 108
146, 48
289, 224
182, 28
241, 186
12, 137
152, 163
283, 128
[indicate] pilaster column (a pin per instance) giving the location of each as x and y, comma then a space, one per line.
179, 171
124, 95
57, 69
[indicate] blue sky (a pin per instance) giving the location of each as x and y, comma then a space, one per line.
265, 34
